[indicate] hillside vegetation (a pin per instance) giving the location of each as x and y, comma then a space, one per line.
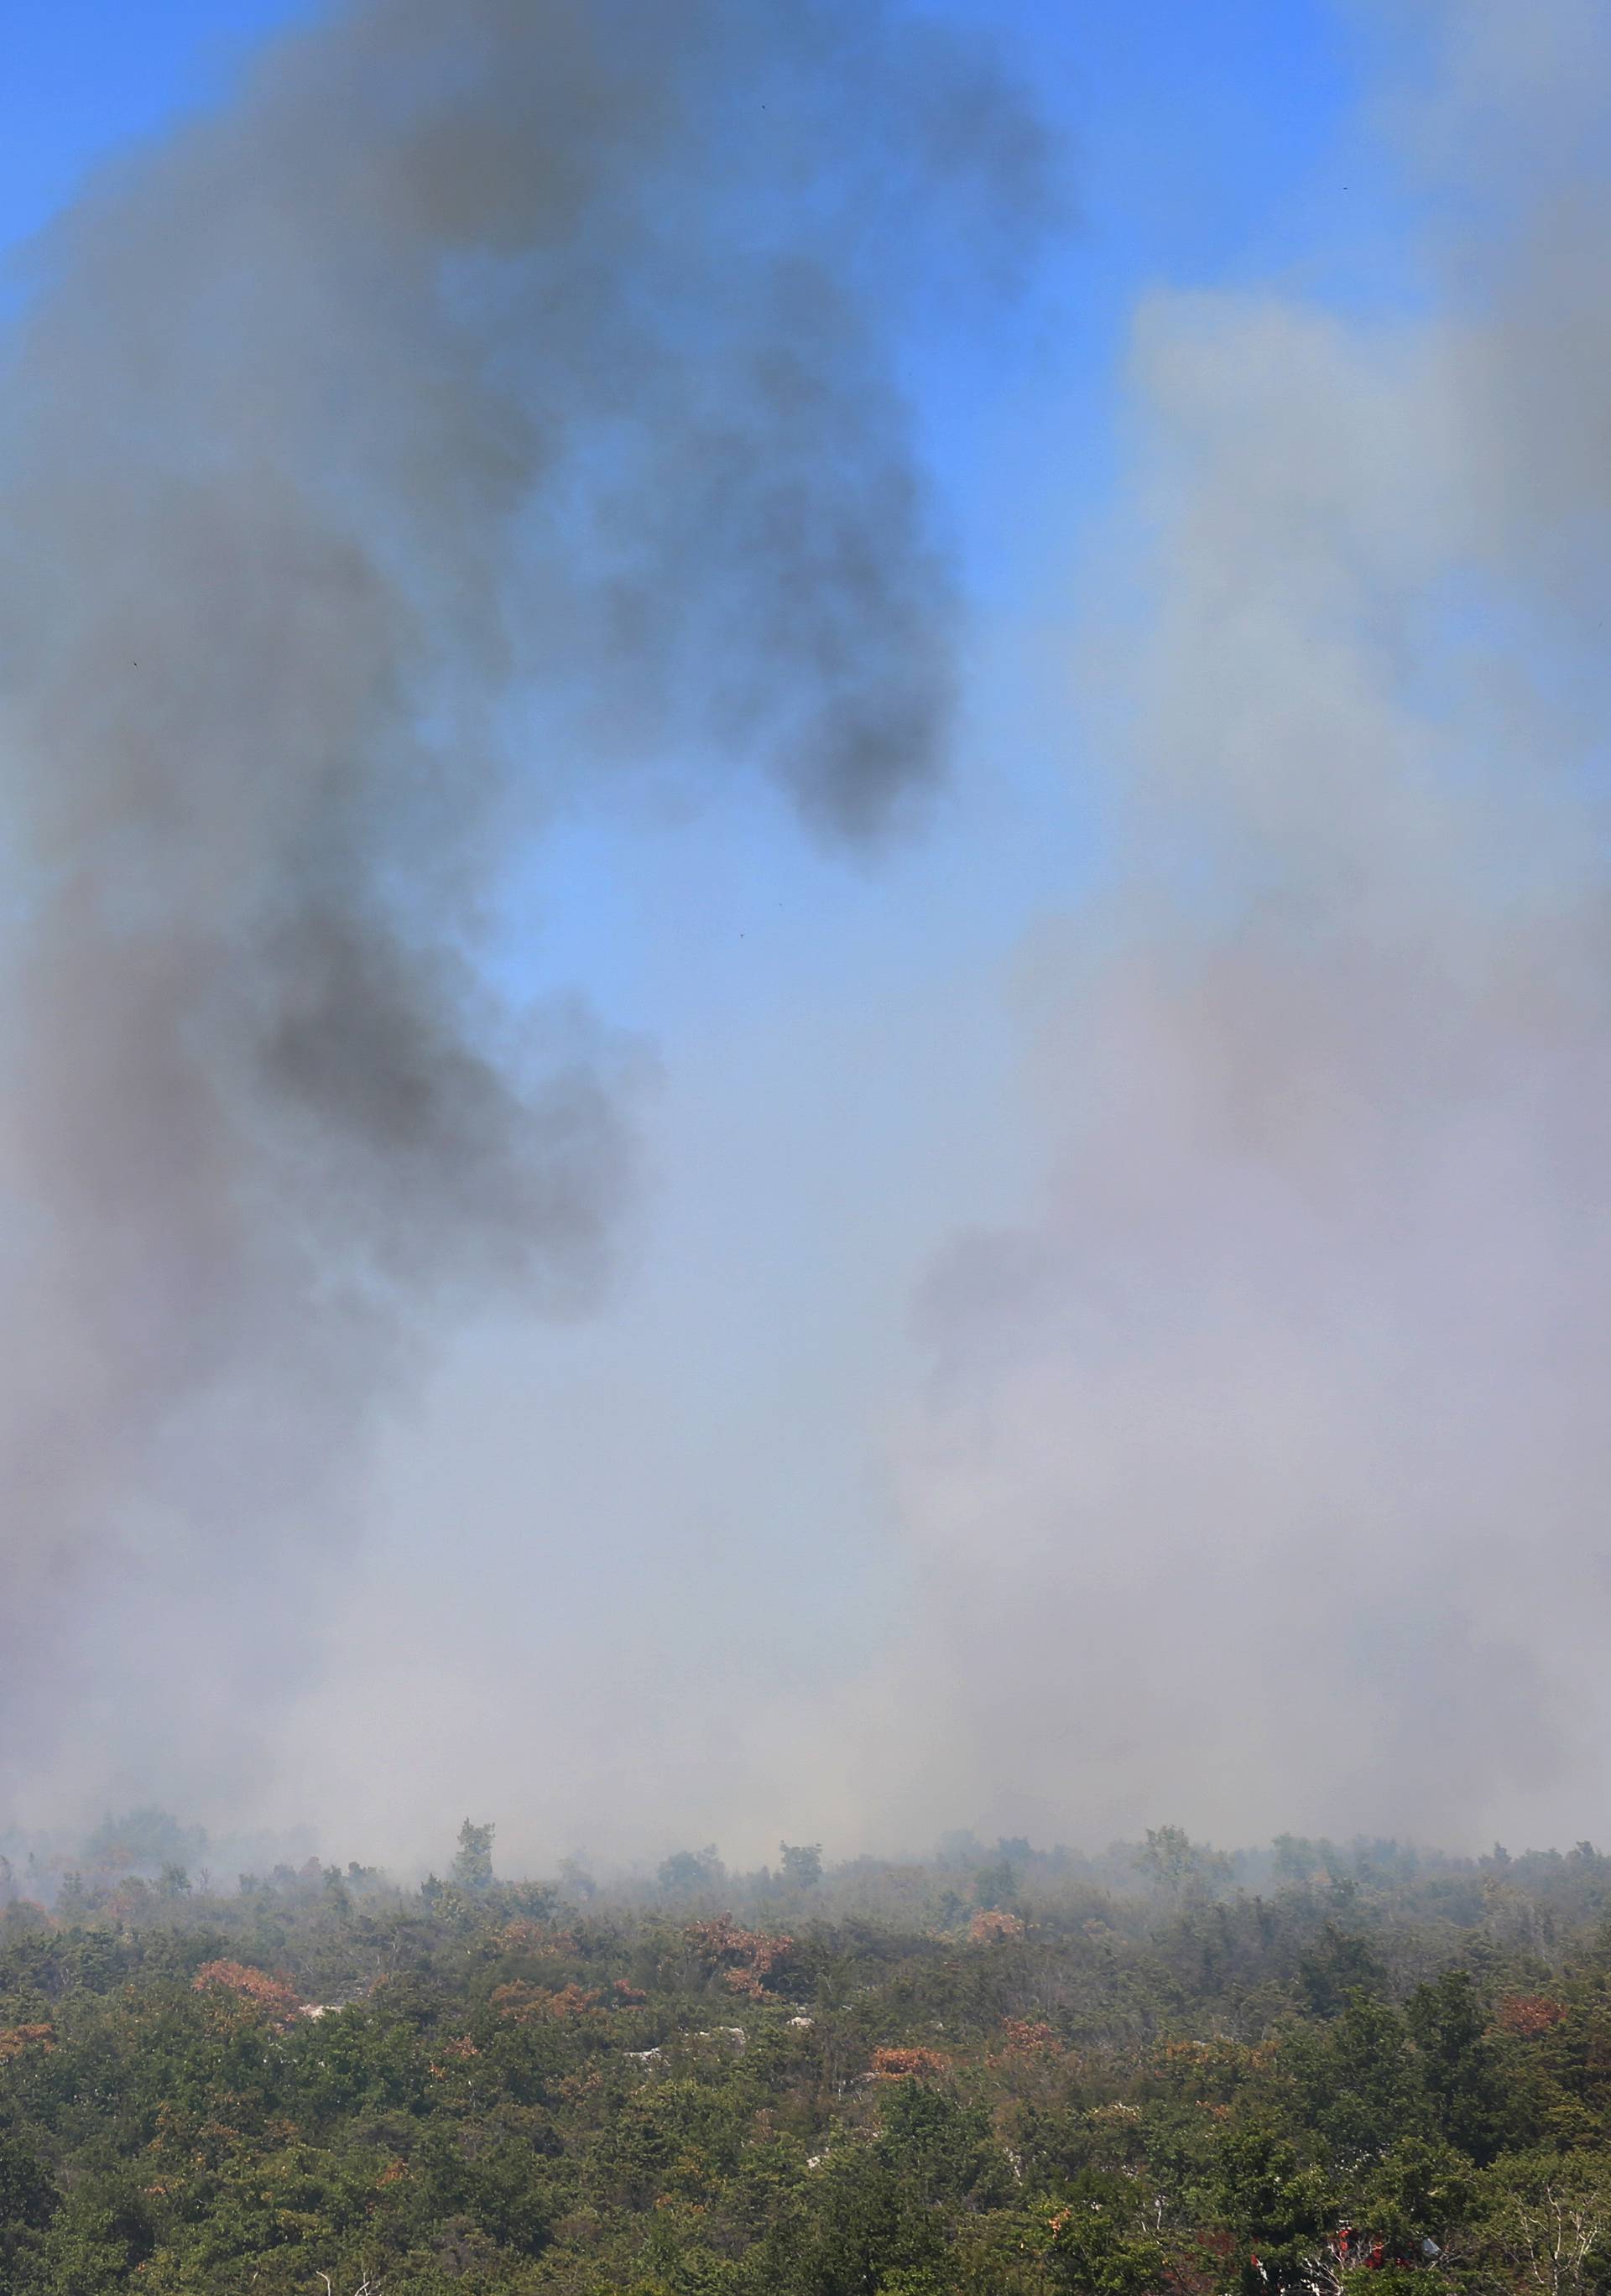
1163, 2070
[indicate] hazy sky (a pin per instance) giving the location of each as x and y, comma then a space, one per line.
1106, 1321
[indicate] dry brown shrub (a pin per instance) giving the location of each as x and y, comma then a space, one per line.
746, 1958
909, 2064
14, 2039
530, 2004
1033, 2036
255, 1986
1529, 2014
523, 1935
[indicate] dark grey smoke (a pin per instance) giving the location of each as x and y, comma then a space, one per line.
497, 393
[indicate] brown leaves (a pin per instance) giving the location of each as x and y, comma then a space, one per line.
460, 2050
255, 1986
519, 2003
1032, 2036
909, 2064
534, 1937
16, 2039
994, 1928
746, 1958
1529, 2014
528, 2005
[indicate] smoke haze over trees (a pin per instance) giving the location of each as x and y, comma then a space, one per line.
1001, 2067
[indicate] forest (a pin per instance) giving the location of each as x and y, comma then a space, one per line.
1162, 2069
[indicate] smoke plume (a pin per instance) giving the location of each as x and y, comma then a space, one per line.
1262, 1483
491, 397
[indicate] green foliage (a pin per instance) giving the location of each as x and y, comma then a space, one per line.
868, 2229
1094, 2247
142, 1841
473, 1865
1547, 2222
688, 1871
1421, 2190
943, 2148
1172, 2087
1278, 2208
1460, 2065
1173, 1863
1362, 2081
1337, 1967
801, 1863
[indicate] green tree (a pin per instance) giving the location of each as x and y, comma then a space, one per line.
942, 2147
865, 2230
1089, 2253
1177, 1864
29, 2199
473, 1866
1335, 1968
687, 1871
801, 1863
1360, 2080
1278, 2207
1460, 2065
1296, 1858
1548, 2222
995, 1887
1421, 2190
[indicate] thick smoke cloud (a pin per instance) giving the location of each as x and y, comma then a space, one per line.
1263, 1484
494, 395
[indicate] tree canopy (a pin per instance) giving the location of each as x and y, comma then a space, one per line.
1005, 2070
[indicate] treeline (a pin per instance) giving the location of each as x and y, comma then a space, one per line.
999, 2070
